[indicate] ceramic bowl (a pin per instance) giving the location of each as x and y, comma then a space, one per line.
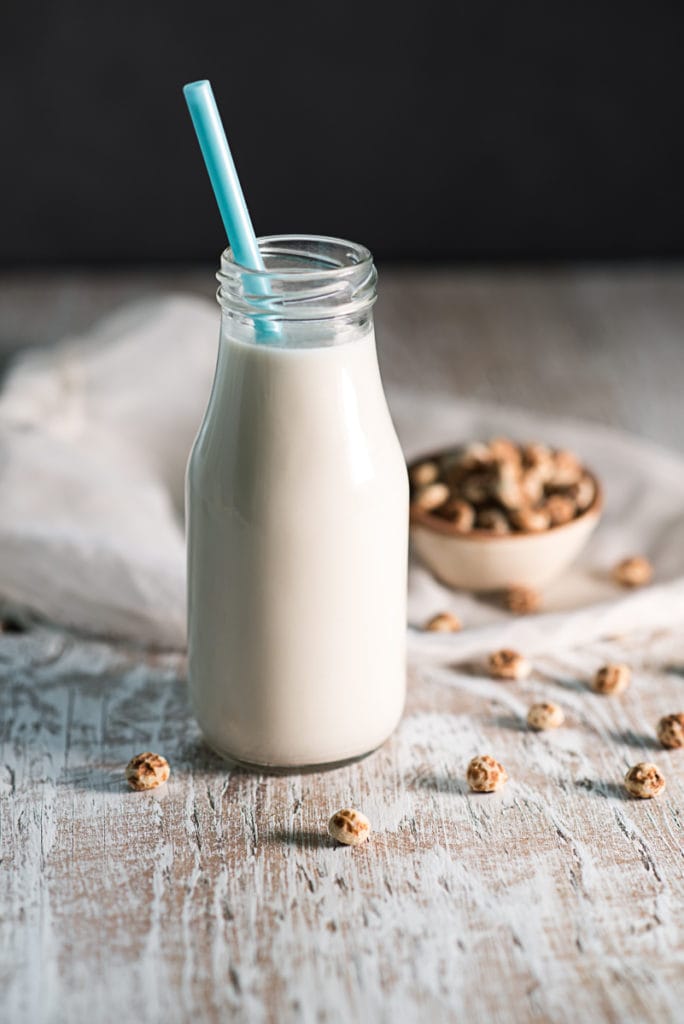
483, 560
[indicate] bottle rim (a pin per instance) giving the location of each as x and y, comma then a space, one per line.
305, 277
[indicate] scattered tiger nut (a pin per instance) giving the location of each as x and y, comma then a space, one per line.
644, 780
444, 622
530, 520
349, 827
493, 520
671, 731
560, 509
636, 571
612, 679
545, 716
508, 664
485, 775
521, 600
424, 473
147, 771
432, 496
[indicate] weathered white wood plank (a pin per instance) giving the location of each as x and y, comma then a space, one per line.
557, 899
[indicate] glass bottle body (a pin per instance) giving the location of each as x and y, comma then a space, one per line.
297, 503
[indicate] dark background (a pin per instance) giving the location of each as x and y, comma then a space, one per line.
436, 131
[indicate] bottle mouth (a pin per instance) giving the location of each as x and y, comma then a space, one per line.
305, 277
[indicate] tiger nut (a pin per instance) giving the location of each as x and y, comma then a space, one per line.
349, 827
583, 493
485, 775
147, 771
459, 513
530, 520
432, 496
567, 469
612, 679
532, 487
538, 458
444, 622
502, 449
521, 600
545, 716
671, 731
424, 473
493, 520
506, 486
508, 664
560, 509
475, 455
633, 572
644, 780
477, 488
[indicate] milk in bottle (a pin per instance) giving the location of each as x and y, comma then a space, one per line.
297, 505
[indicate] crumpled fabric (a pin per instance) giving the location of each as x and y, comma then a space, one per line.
94, 438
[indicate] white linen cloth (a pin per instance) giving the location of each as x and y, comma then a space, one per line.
94, 436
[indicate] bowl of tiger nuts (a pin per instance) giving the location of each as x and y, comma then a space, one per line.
496, 514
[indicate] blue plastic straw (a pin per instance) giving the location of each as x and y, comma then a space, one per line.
226, 185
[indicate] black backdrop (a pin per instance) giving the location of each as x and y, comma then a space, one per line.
435, 130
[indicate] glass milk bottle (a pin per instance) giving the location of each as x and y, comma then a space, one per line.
297, 504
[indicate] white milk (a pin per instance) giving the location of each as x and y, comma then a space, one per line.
297, 542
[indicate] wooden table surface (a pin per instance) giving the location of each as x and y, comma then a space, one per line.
220, 897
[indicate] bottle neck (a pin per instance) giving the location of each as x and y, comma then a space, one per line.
296, 333
312, 291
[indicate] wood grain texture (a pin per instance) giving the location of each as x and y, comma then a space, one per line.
220, 896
